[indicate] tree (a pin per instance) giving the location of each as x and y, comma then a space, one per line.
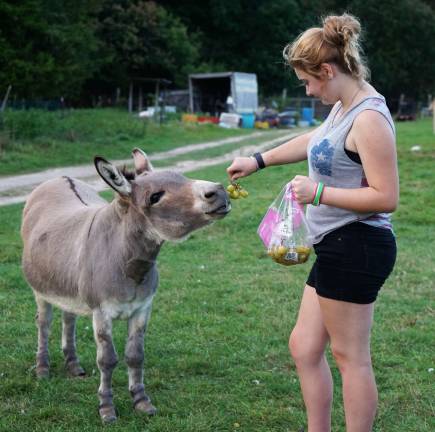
399, 44
245, 35
141, 39
249, 36
47, 48
51, 48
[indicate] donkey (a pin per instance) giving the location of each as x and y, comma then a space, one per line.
90, 257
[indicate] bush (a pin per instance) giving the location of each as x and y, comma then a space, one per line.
72, 125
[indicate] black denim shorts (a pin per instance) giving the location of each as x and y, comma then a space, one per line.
353, 263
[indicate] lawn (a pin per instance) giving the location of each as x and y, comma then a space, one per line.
35, 139
216, 349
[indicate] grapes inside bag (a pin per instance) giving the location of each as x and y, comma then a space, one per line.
284, 230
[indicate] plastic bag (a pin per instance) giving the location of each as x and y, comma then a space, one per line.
284, 230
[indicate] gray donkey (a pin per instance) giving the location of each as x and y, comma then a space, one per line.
89, 257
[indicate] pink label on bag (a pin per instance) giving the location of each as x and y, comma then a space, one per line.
269, 222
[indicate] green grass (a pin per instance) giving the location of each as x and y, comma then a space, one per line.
34, 140
216, 349
224, 149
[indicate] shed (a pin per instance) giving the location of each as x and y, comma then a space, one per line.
154, 84
209, 92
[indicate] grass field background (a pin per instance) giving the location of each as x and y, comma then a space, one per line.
35, 139
216, 348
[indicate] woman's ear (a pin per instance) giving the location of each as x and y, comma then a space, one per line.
327, 71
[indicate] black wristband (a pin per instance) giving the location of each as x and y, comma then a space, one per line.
260, 160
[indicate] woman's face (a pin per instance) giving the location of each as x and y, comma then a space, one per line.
317, 87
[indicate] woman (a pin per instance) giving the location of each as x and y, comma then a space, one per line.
351, 190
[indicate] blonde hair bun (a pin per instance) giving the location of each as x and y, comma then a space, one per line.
341, 30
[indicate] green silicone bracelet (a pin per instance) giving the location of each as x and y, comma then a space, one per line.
319, 191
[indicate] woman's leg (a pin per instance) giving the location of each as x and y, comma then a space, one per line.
348, 326
307, 345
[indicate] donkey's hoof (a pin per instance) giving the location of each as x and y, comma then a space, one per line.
107, 413
42, 372
146, 407
75, 370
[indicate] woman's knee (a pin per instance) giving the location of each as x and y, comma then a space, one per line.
305, 350
347, 358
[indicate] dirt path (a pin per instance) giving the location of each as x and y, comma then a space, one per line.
15, 189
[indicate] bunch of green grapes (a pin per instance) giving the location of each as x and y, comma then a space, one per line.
288, 255
236, 191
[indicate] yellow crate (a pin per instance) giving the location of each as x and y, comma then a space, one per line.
189, 118
261, 125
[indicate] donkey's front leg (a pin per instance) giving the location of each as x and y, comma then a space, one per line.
134, 357
69, 345
106, 361
43, 320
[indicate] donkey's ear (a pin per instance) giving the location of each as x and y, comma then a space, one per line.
141, 161
112, 176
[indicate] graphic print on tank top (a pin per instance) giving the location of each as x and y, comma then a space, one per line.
321, 157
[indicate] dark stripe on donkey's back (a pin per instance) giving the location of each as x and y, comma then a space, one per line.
73, 188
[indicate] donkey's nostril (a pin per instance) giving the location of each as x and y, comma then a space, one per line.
209, 195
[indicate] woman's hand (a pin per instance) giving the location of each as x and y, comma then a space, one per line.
241, 167
304, 189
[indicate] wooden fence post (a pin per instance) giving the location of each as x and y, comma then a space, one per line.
130, 98
5, 99
433, 115
140, 99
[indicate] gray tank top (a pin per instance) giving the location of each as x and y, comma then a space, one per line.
329, 163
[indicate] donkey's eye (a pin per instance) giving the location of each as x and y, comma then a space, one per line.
155, 197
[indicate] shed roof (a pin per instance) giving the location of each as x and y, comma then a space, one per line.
215, 75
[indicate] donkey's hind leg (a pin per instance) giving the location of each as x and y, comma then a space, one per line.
69, 345
43, 320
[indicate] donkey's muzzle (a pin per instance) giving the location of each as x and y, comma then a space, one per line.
219, 202
222, 210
